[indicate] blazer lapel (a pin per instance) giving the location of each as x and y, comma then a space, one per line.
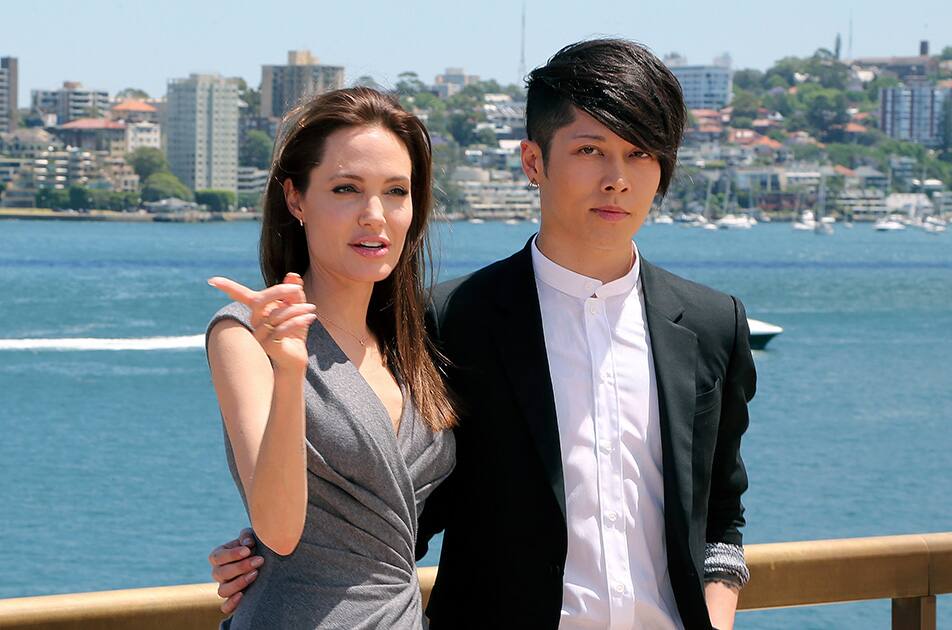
674, 349
521, 342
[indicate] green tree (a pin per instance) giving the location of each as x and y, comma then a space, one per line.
250, 96
750, 80
53, 198
216, 200
145, 161
256, 150
826, 110
745, 104
132, 93
78, 198
486, 136
409, 83
164, 185
250, 200
365, 80
462, 127
946, 54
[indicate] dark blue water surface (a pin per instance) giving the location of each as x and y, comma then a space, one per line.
112, 463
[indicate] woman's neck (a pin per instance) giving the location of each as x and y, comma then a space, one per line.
341, 302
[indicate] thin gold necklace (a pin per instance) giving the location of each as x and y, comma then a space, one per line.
361, 340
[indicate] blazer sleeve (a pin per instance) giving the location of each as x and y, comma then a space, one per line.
728, 476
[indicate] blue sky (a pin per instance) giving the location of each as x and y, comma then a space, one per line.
112, 45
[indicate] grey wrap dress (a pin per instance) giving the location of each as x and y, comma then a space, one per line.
354, 567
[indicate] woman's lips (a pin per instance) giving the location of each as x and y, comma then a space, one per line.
370, 252
611, 213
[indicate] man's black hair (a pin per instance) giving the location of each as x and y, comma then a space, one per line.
617, 82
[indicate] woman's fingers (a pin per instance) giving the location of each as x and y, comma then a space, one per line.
281, 314
293, 278
234, 290
295, 327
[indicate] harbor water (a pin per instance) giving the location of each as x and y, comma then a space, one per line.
111, 450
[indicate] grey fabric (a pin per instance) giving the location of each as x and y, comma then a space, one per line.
354, 567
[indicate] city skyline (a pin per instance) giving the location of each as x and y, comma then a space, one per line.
145, 48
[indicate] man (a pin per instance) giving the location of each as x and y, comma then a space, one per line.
602, 399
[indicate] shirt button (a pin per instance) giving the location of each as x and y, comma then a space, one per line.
619, 588
612, 516
605, 446
593, 309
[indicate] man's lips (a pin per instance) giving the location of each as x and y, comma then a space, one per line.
611, 213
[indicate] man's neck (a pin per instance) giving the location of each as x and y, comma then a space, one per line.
604, 265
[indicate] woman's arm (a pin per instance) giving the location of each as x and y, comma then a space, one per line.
259, 379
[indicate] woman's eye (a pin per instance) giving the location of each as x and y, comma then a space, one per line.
399, 191
344, 188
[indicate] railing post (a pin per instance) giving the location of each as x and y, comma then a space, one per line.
913, 613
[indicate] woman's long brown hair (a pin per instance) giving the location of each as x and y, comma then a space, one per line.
395, 314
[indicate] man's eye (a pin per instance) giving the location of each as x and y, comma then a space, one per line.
641, 155
588, 150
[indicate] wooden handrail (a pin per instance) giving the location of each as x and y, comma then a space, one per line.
910, 570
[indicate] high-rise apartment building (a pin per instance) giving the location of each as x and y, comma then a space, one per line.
202, 131
70, 102
282, 87
913, 112
704, 87
8, 94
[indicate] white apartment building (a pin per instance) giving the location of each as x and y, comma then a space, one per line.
143, 134
705, 87
202, 131
8, 94
70, 102
284, 86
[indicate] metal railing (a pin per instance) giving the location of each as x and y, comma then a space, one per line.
909, 570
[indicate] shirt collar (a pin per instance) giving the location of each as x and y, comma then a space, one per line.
577, 285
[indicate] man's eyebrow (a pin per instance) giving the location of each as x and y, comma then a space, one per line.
590, 136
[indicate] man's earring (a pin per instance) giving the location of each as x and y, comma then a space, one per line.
533, 184
301, 221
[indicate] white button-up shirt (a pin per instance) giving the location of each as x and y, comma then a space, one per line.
606, 402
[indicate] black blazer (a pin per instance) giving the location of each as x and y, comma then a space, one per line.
503, 508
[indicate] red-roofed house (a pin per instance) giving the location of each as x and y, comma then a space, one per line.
94, 134
132, 110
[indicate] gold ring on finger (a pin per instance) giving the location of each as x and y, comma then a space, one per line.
268, 327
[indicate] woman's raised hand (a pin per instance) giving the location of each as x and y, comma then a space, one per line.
280, 317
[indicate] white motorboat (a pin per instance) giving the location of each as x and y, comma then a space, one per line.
888, 225
734, 222
761, 333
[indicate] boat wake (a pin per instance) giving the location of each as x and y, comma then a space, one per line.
186, 342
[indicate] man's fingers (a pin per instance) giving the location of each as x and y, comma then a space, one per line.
237, 585
226, 555
247, 537
229, 605
234, 290
228, 572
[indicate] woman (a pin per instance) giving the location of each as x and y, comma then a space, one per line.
337, 422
